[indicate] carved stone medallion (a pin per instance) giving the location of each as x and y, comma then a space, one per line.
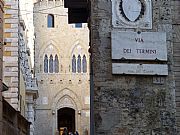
132, 14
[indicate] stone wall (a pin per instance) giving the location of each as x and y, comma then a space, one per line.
130, 104
176, 56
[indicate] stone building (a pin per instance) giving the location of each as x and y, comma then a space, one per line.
17, 70
176, 55
10, 56
11, 121
62, 70
28, 85
132, 60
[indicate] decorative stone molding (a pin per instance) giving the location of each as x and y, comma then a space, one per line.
68, 97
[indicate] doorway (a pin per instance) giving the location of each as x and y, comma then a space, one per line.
66, 119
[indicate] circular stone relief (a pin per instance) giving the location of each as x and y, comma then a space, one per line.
132, 10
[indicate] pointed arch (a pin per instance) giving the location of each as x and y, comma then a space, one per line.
60, 95
79, 64
46, 46
77, 43
51, 64
45, 64
74, 64
84, 64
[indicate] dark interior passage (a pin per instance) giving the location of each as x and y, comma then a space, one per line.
66, 118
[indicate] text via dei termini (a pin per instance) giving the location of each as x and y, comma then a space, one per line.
143, 46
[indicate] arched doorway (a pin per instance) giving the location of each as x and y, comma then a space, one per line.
66, 119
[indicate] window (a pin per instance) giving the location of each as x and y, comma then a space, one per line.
45, 64
79, 64
74, 64
51, 64
50, 21
78, 25
56, 64
84, 64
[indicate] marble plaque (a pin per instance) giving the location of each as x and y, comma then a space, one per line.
140, 69
143, 46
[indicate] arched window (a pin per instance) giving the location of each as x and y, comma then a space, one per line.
74, 64
56, 64
45, 64
51, 64
79, 64
50, 21
84, 64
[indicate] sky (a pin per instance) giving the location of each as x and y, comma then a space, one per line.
26, 12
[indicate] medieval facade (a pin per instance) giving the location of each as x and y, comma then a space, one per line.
62, 70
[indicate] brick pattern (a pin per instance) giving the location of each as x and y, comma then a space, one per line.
10, 58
